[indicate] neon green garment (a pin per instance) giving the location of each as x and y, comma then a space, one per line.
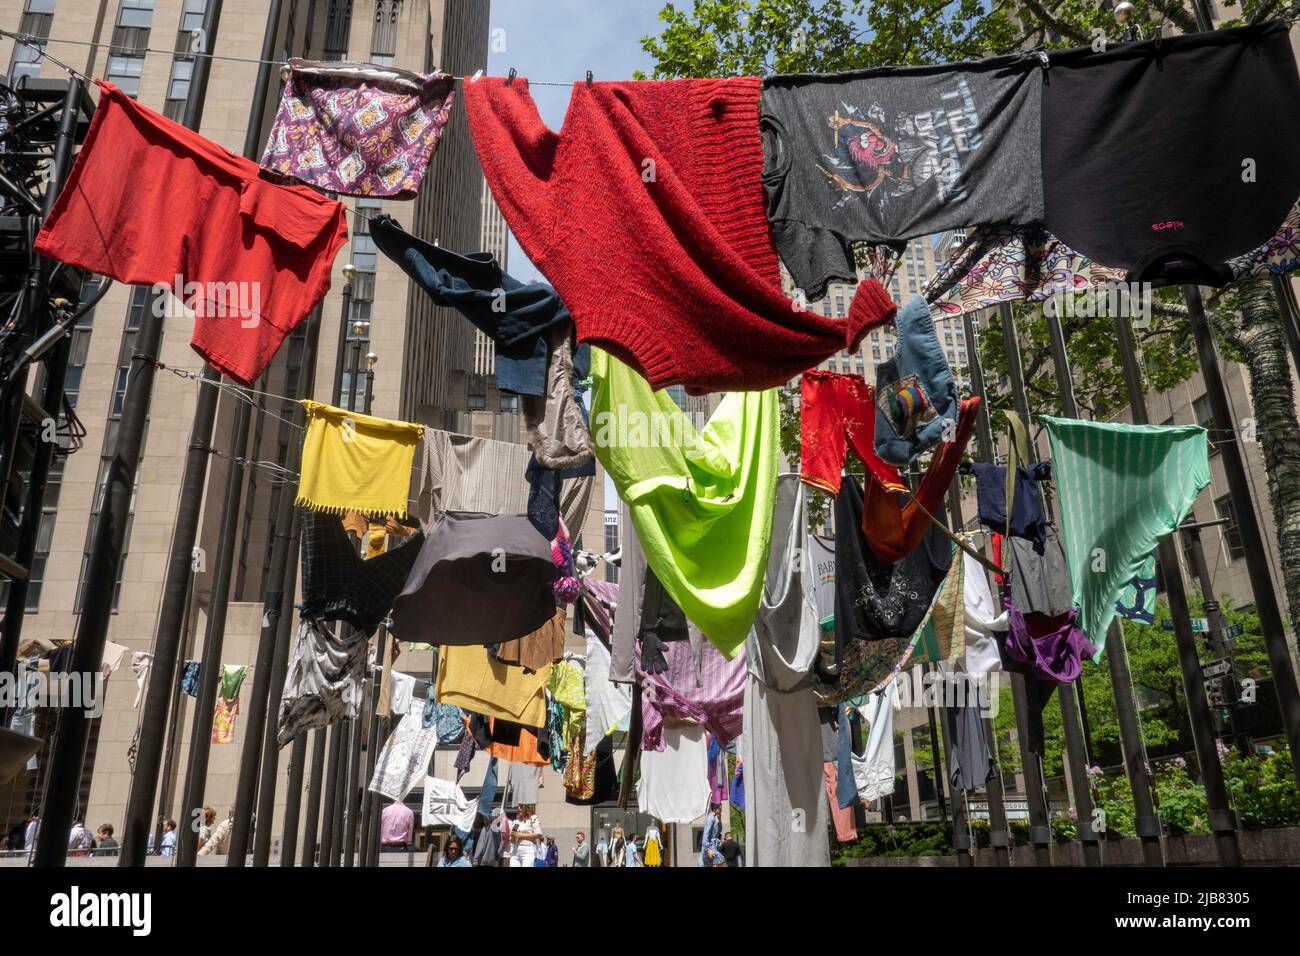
1121, 489
701, 502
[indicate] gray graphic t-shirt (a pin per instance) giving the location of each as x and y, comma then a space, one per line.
883, 156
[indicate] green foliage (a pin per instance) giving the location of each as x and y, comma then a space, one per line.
1263, 790
1180, 799
897, 840
1114, 797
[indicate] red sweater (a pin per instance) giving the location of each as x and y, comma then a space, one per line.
149, 200
647, 213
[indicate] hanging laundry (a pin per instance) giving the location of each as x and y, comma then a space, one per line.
982, 619
877, 599
821, 559
469, 678
404, 760
461, 473
112, 659
400, 694
943, 635
551, 739
515, 315
568, 685
738, 786
358, 129
141, 665
699, 686
701, 502
609, 705
717, 771
643, 162
232, 679
251, 258
1279, 255
886, 155
556, 422
1040, 583
968, 758
674, 784
445, 805
997, 264
1027, 519
1136, 600
516, 744
522, 783
478, 579
546, 505
846, 830
646, 616
867, 667
1052, 647
836, 410
538, 648
1173, 212
26, 690
323, 684
566, 588
355, 462
223, 720
875, 772
590, 775
837, 747
1121, 489
781, 740
916, 396
190, 678
337, 585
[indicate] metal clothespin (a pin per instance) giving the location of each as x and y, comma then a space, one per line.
510, 77
589, 79
476, 77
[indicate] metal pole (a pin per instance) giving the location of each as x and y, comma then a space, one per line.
336, 396
67, 756
167, 789
260, 754
352, 791
144, 780
310, 826
369, 802
1132, 747
292, 803
1286, 302
1031, 764
36, 301
328, 810
1223, 822
339, 782
1252, 538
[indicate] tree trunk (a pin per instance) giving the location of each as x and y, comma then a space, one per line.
1262, 340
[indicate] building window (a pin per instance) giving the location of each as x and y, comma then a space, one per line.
1205, 418
125, 72
509, 402
178, 88
476, 393
192, 17
1230, 532
364, 252
383, 44
135, 13
611, 544
38, 15
338, 26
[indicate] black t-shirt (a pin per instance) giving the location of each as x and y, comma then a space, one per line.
1168, 161
730, 851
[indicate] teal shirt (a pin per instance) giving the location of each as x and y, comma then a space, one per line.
1121, 489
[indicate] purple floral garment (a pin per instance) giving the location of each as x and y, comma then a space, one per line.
358, 129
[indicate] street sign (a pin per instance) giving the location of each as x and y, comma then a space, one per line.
1214, 668
1234, 631
1199, 625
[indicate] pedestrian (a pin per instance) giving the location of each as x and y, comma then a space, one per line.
525, 836
633, 852
709, 855
107, 845
581, 851
730, 850
552, 853
168, 845
80, 840
218, 841
453, 853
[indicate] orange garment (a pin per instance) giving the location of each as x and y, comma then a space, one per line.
523, 752
893, 524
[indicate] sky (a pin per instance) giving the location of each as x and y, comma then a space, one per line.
559, 41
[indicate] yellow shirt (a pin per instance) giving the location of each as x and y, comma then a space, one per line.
355, 462
471, 678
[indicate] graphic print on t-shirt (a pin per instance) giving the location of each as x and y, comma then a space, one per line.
879, 158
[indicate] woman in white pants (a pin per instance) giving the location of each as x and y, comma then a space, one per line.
525, 836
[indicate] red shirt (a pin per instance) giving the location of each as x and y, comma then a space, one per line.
149, 200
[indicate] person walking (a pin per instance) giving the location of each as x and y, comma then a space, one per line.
581, 851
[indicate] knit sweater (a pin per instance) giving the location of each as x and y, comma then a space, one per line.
646, 212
